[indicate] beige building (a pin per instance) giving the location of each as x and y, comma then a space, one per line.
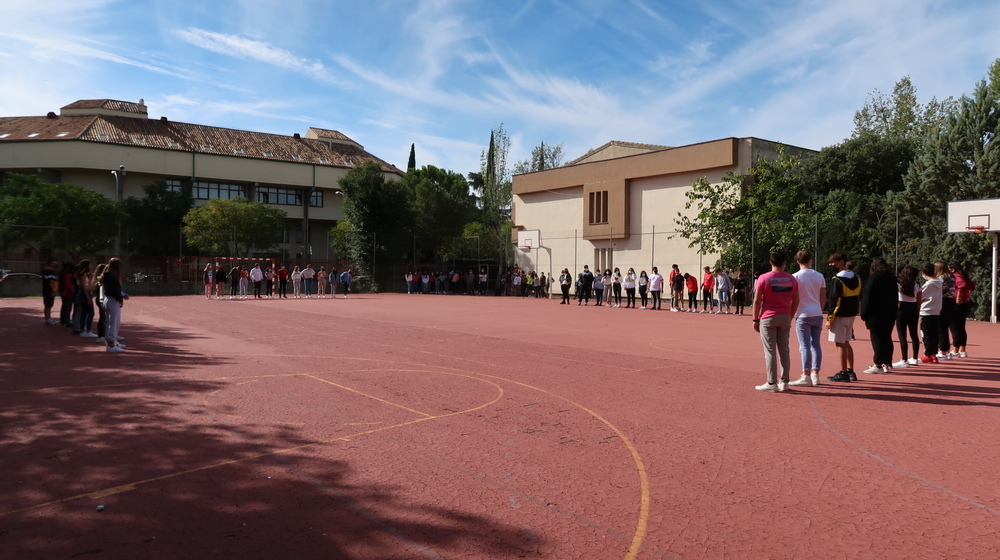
89, 139
617, 205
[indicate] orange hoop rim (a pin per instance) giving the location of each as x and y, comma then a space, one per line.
976, 229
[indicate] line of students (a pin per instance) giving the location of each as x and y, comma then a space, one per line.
79, 286
267, 282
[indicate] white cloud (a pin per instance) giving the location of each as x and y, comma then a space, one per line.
242, 47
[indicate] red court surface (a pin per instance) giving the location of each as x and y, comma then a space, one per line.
395, 426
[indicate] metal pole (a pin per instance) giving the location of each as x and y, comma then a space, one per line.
993, 290
652, 250
897, 241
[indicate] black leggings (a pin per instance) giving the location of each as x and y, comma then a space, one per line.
906, 322
629, 297
947, 313
958, 334
617, 289
929, 328
881, 335
565, 293
644, 294
740, 299
692, 300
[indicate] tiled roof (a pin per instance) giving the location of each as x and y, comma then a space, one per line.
644, 147
109, 104
162, 134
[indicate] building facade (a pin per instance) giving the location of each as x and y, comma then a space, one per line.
616, 206
89, 139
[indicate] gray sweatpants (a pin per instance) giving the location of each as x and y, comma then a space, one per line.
774, 334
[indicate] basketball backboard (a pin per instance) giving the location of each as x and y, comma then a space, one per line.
967, 216
528, 239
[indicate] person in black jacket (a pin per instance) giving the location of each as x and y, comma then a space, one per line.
879, 302
843, 298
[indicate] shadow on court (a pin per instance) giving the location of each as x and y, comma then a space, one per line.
115, 456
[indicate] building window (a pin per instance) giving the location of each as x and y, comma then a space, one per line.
599, 207
278, 195
174, 185
202, 190
316, 199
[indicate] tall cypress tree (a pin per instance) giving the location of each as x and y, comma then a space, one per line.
412, 163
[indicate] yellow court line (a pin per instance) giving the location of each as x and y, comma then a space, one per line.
133, 485
374, 398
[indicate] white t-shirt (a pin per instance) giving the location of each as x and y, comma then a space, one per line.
656, 282
811, 283
629, 281
916, 293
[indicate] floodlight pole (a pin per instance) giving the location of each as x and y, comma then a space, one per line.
119, 180
993, 290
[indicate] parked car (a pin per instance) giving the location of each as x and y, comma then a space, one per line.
20, 275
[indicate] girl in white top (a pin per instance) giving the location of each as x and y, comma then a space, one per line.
643, 288
616, 286
297, 283
629, 284
809, 319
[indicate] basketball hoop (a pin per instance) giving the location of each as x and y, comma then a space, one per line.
976, 229
527, 245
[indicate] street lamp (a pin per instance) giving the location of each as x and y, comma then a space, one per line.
119, 181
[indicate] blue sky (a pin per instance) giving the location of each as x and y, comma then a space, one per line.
442, 73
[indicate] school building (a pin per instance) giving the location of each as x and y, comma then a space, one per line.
617, 205
90, 139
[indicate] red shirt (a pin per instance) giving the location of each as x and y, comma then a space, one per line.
282, 274
692, 284
777, 289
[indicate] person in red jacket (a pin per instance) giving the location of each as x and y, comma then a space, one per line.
283, 282
692, 286
707, 287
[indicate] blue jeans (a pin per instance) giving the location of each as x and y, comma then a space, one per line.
809, 329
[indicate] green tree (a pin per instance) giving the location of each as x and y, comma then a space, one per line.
91, 219
155, 220
899, 115
338, 237
234, 227
379, 213
495, 198
412, 162
747, 216
959, 160
442, 205
542, 157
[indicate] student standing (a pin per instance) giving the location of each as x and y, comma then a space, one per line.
586, 284
908, 315
565, 279
283, 282
708, 291
346, 278
740, 292
50, 287
114, 299
724, 286
655, 288
67, 292
677, 284
692, 286
930, 312
257, 277
775, 301
948, 307
244, 282
809, 319
321, 278
629, 283
234, 282
307, 279
296, 283
220, 282
643, 288
598, 287
616, 286
208, 276
963, 303
269, 283
842, 304
879, 303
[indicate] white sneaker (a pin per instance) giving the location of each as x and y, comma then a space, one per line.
875, 369
913, 362
115, 349
782, 386
767, 387
963, 354
804, 381
952, 355
86, 334
941, 356
815, 378
901, 363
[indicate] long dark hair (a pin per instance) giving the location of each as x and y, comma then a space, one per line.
906, 279
879, 266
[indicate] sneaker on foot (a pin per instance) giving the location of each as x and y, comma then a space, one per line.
115, 349
901, 363
963, 354
851, 375
767, 387
913, 361
941, 356
875, 369
782, 386
927, 359
86, 334
840, 376
815, 378
804, 381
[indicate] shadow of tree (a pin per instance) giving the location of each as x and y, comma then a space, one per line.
83, 428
